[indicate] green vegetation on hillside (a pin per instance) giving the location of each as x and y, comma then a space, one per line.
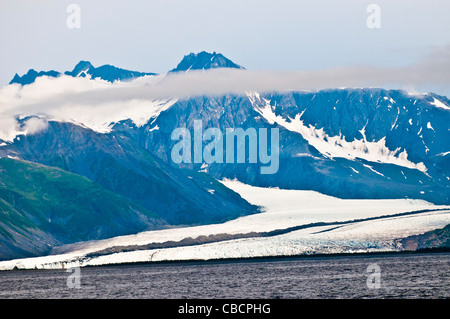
67, 207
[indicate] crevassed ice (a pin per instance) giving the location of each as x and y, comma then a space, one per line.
283, 209
336, 146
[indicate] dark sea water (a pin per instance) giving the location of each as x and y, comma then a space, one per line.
398, 276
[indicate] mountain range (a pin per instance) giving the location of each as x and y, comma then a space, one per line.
349, 143
110, 73
352, 143
83, 69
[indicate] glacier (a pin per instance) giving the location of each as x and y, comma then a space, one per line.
354, 226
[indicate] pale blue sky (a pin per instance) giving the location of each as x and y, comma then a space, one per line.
153, 36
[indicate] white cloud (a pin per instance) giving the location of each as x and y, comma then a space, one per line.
35, 125
97, 103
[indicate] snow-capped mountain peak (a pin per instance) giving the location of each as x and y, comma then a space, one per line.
203, 61
80, 69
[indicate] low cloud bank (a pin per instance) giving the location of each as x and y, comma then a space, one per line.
96, 103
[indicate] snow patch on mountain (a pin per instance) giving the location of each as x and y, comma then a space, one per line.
335, 146
102, 121
371, 168
439, 104
96, 104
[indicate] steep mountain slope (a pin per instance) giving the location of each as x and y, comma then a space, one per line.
43, 206
350, 143
119, 164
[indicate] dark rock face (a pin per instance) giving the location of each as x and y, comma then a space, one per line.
203, 61
439, 238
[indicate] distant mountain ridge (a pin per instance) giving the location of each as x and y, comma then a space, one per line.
110, 73
32, 75
106, 72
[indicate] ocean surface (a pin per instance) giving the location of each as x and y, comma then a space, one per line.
379, 276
